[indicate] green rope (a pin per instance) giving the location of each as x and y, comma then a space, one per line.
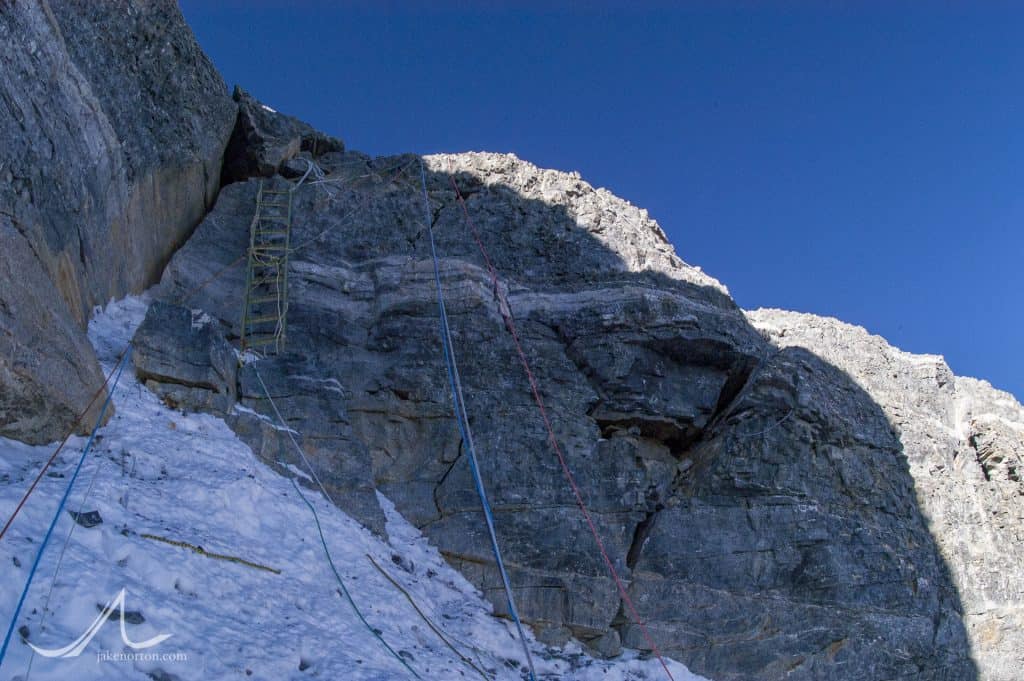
341, 583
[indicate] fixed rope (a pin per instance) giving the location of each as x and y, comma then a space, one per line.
209, 554
429, 622
401, 168
505, 310
319, 529
60, 556
60, 507
773, 426
462, 420
64, 441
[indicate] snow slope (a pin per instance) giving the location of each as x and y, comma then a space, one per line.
188, 478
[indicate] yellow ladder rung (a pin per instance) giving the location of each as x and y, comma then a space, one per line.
264, 319
267, 271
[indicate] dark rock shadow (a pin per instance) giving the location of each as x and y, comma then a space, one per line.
757, 500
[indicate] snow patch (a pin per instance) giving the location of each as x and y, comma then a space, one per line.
200, 319
333, 384
111, 328
242, 409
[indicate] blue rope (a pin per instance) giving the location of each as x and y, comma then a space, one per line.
341, 583
60, 507
316, 518
462, 420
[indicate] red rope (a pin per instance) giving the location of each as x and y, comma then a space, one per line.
53, 457
504, 309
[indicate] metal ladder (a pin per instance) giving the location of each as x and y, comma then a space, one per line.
265, 315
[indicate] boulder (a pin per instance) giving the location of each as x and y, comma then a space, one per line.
264, 141
182, 356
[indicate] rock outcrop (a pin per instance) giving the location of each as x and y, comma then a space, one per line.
113, 125
757, 498
264, 141
964, 443
184, 358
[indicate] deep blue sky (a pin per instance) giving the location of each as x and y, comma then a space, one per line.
861, 160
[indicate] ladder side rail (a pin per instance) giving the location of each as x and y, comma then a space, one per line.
249, 266
287, 251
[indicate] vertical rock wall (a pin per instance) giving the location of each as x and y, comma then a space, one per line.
757, 501
964, 445
112, 128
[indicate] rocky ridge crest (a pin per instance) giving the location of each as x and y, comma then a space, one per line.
964, 442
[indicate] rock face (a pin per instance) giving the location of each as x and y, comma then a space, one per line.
756, 498
263, 141
184, 358
112, 129
47, 367
964, 443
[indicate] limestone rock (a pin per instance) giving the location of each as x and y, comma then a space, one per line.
182, 355
757, 501
320, 425
799, 508
964, 445
264, 141
48, 371
86, 519
607, 644
112, 128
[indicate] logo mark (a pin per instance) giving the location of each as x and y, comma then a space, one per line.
75, 648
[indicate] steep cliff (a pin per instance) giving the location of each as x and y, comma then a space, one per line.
757, 497
964, 443
113, 125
